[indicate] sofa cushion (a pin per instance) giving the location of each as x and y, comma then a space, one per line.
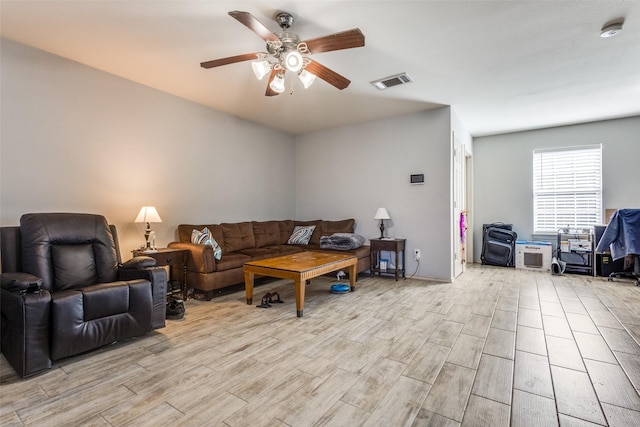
85, 250
232, 260
266, 233
74, 266
315, 237
363, 251
81, 321
260, 253
333, 227
281, 250
205, 237
301, 235
105, 300
286, 228
238, 236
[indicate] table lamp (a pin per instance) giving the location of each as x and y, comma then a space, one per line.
381, 214
148, 214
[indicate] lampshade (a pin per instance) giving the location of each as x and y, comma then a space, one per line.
382, 213
277, 84
306, 78
261, 68
148, 214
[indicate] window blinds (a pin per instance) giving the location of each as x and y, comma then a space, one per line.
567, 188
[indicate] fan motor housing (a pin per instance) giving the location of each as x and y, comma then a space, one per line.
284, 20
289, 41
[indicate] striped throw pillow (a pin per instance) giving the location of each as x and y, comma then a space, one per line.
301, 235
205, 237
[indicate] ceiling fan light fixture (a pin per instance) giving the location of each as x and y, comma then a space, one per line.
306, 78
293, 61
277, 84
261, 68
285, 52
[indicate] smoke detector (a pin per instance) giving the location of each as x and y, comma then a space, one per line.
611, 30
395, 80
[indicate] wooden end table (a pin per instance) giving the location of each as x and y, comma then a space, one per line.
391, 245
299, 267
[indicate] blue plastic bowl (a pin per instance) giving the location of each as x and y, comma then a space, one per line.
340, 288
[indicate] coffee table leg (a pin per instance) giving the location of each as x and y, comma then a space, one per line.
300, 286
248, 286
352, 277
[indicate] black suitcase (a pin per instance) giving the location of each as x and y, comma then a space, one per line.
498, 245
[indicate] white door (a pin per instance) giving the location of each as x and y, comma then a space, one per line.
459, 200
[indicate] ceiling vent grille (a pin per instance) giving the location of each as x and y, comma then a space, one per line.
395, 80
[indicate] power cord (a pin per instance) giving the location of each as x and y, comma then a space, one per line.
417, 268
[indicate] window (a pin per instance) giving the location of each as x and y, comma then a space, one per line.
567, 188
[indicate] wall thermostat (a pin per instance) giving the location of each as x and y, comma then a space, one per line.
417, 178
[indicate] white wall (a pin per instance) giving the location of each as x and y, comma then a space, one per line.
75, 139
353, 170
503, 170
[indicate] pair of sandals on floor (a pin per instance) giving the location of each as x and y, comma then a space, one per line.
270, 298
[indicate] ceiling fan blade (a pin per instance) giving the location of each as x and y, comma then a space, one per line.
249, 21
271, 92
327, 75
230, 60
344, 40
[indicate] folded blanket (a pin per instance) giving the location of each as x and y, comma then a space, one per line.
341, 241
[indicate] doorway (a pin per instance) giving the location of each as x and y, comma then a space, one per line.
461, 217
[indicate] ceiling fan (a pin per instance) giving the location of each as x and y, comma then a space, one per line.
285, 52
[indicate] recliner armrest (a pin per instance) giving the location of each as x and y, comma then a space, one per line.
20, 282
139, 262
158, 278
25, 330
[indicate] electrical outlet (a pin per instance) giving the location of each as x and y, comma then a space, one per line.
416, 254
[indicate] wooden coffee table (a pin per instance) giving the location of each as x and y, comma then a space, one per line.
299, 267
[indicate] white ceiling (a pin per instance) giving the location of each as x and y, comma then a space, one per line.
503, 65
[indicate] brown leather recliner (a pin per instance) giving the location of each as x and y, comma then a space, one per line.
65, 292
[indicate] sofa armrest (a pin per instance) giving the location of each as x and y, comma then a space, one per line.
201, 258
158, 278
25, 330
20, 282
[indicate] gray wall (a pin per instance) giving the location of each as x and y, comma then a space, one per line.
503, 174
353, 170
75, 139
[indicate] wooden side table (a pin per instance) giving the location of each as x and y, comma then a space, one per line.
391, 245
176, 259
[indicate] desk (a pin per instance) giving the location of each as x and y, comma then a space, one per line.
391, 245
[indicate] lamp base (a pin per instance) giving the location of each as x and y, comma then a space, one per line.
382, 228
147, 234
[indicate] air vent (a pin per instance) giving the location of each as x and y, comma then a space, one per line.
398, 79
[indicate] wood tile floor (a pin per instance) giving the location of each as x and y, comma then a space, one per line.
498, 347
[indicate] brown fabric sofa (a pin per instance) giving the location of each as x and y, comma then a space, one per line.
252, 240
